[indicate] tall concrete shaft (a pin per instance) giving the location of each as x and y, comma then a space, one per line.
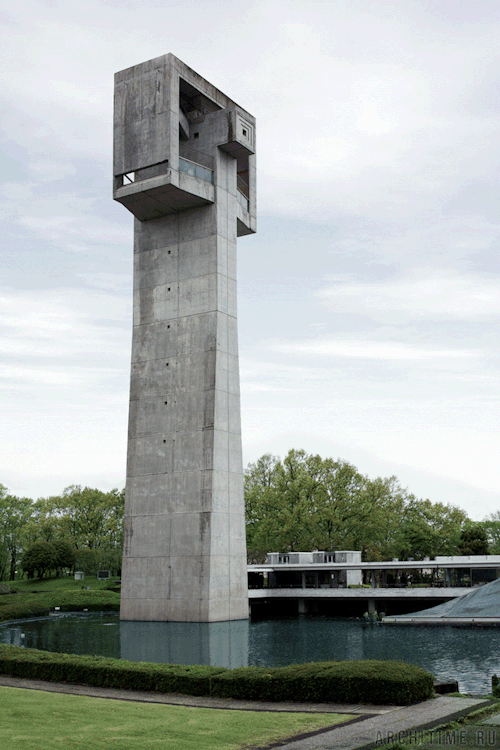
184, 165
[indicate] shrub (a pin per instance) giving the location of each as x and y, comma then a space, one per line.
327, 682
100, 671
381, 682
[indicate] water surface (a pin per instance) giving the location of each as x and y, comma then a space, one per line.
470, 656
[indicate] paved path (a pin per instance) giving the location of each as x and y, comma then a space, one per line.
376, 731
191, 700
492, 720
373, 726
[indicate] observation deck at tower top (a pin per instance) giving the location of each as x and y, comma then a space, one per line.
168, 119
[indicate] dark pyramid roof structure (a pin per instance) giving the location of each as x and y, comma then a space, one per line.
481, 605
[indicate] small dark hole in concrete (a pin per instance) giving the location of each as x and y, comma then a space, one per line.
196, 135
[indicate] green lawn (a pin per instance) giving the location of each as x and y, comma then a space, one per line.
38, 596
35, 720
63, 583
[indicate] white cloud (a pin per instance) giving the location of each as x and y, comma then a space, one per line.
378, 146
384, 350
65, 323
427, 294
115, 282
49, 374
76, 233
51, 171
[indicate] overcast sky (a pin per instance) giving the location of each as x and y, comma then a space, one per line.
369, 300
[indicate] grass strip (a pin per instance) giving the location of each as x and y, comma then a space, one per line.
61, 583
34, 604
32, 719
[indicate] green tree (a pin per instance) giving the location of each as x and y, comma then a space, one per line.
41, 558
343, 504
280, 501
259, 505
42, 526
474, 540
491, 525
428, 529
88, 518
378, 534
15, 513
304, 502
64, 555
91, 561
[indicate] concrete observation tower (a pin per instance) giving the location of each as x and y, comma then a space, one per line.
184, 165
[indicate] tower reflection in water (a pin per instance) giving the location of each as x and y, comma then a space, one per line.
223, 644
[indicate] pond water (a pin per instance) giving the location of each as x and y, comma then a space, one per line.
470, 656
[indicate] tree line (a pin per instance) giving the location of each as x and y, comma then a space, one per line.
305, 502
299, 503
80, 529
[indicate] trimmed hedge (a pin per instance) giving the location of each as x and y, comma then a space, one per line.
377, 682
100, 671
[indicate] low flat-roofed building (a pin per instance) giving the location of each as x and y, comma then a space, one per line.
341, 583
302, 574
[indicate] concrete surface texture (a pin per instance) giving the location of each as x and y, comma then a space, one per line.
184, 165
